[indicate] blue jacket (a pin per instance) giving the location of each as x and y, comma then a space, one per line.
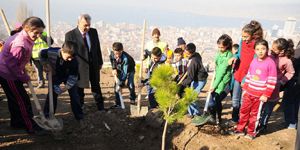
124, 66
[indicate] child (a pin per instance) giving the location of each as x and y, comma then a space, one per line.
157, 59
64, 68
39, 44
250, 33
281, 53
180, 64
123, 66
169, 53
15, 55
222, 76
258, 87
196, 75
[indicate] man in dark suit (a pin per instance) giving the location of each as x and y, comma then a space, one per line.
89, 58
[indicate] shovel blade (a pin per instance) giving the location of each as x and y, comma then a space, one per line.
135, 111
52, 124
201, 120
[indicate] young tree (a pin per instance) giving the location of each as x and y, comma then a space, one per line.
172, 106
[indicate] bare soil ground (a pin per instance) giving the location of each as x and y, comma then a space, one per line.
115, 129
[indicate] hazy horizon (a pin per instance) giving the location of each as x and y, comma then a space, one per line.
194, 13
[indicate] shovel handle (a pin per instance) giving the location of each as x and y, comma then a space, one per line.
209, 93
119, 91
35, 99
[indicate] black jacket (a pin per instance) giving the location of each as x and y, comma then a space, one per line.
195, 71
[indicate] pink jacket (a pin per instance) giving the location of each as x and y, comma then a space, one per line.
15, 55
285, 71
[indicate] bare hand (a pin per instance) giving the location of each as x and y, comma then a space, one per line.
231, 61
263, 98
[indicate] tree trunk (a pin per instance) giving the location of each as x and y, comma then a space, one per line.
163, 143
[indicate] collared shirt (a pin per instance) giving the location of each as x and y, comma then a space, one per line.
87, 38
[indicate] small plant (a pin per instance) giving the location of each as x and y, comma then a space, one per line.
172, 106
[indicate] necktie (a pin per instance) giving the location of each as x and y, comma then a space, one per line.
85, 41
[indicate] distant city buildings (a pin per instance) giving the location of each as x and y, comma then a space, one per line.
289, 27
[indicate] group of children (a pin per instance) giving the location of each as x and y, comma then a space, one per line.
249, 71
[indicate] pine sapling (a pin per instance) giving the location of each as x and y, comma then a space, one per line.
166, 89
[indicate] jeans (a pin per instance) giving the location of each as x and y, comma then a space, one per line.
236, 100
39, 69
75, 103
130, 84
193, 109
297, 145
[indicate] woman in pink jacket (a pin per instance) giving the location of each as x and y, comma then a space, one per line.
15, 55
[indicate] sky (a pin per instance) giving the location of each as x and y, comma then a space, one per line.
216, 13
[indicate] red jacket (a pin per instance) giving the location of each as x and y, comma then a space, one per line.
246, 56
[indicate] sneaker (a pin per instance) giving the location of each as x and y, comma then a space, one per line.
115, 107
292, 126
236, 133
250, 137
232, 123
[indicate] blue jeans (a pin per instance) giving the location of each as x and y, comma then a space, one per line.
130, 84
39, 69
236, 100
193, 109
75, 103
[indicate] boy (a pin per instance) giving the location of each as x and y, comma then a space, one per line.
123, 66
64, 69
180, 64
196, 75
157, 59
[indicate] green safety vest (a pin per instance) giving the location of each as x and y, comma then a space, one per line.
39, 44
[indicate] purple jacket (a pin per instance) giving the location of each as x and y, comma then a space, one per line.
15, 55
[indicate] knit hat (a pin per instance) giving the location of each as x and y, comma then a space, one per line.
180, 41
155, 31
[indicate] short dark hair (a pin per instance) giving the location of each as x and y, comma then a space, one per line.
262, 42
156, 51
117, 46
191, 47
69, 47
235, 46
178, 51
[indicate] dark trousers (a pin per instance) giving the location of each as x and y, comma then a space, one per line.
75, 103
216, 108
96, 91
39, 70
18, 104
291, 99
266, 113
130, 84
297, 145
152, 101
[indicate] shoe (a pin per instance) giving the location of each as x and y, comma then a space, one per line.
292, 126
250, 137
232, 123
262, 129
115, 107
236, 133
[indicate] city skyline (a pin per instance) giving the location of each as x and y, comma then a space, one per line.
230, 13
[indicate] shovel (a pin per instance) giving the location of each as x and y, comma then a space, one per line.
118, 89
138, 111
205, 117
47, 124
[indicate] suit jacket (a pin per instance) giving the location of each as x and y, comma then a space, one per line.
89, 61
